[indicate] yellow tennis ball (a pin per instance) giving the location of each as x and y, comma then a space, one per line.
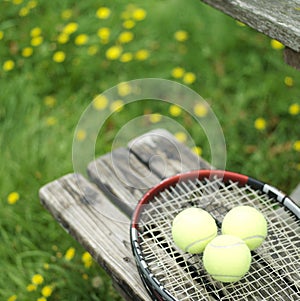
227, 258
193, 229
247, 223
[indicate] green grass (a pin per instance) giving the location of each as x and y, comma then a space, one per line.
237, 71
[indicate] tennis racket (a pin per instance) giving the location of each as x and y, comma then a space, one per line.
171, 274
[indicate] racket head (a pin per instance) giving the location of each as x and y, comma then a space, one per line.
171, 274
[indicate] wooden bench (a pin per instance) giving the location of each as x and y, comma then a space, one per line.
96, 212
278, 19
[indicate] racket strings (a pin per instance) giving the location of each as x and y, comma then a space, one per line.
275, 265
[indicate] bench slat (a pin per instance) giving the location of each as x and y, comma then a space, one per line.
102, 229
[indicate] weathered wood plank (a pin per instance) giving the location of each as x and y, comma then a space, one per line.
292, 58
279, 19
103, 230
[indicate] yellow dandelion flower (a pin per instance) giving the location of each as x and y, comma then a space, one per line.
113, 53
175, 110
181, 136
296, 146
66, 14
294, 109
104, 34
49, 101
51, 121
27, 51
200, 110
197, 150
181, 35
41, 299
24, 11
81, 39
155, 117
37, 41
92, 50
12, 298
100, 102
37, 279
1, 35
47, 291
70, 254
59, 56
189, 78
35, 32
126, 57
260, 124
129, 24
63, 38
125, 37
13, 197
8, 65
87, 259
117, 105
142, 55
139, 14
124, 89
177, 72
17, 2
32, 4
289, 81
103, 12
81, 135
70, 28
276, 45
31, 287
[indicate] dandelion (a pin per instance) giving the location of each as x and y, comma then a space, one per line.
260, 124
181, 35
200, 110
51, 121
175, 110
13, 197
289, 81
296, 146
41, 299
142, 55
177, 72
117, 105
276, 45
8, 65
155, 118
70, 28
1, 35
125, 37
27, 52
139, 14
70, 254
47, 291
24, 11
35, 32
189, 78
97, 282
46, 266
66, 14
128, 24
17, 2
81, 135
294, 109
32, 4
197, 150
113, 53
104, 34
181, 136
124, 89
36, 41
37, 279
59, 56
12, 298
31, 287
87, 259
103, 13
81, 39
63, 38
126, 57
49, 101
100, 102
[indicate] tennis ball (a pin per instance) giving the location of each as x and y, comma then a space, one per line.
227, 258
193, 229
247, 223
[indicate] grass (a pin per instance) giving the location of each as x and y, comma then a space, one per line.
236, 69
